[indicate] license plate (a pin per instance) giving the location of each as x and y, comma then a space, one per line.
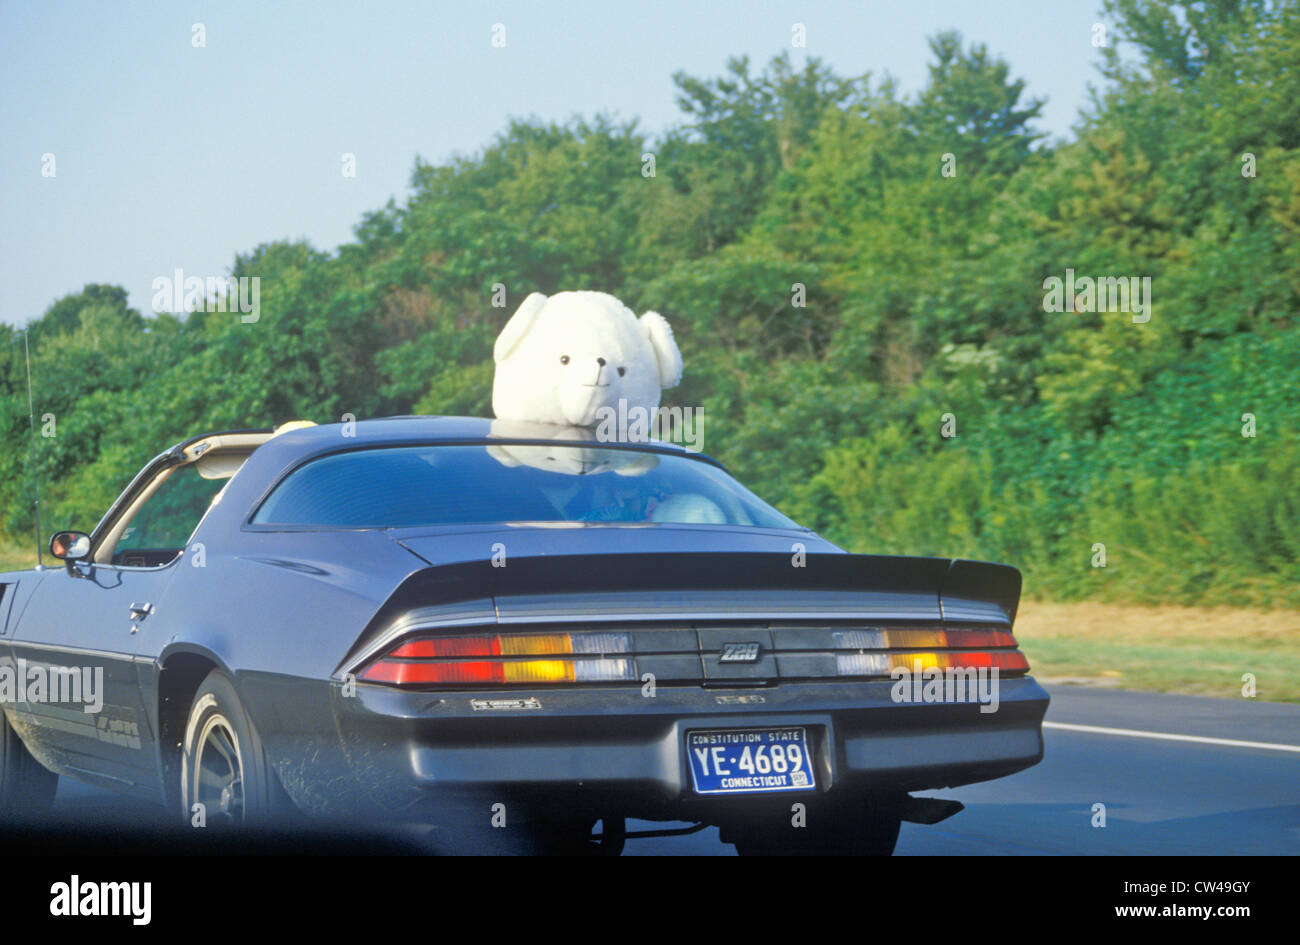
750, 761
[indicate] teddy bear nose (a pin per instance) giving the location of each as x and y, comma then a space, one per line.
600, 361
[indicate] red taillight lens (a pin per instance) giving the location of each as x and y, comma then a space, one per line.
517, 658
979, 638
448, 648
1007, 662
422, 674
875, 652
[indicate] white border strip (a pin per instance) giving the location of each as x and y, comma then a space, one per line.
1169, 736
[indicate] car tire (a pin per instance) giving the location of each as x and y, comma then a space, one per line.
224, 766
850, 828
27, 787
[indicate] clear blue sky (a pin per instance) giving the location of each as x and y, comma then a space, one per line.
172, 156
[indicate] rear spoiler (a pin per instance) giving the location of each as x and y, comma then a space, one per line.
980, 590
697, 586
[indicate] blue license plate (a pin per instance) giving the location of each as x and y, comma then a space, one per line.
750, 761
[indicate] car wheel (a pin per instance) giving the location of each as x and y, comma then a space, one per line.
26, 786
225, 778
855, 828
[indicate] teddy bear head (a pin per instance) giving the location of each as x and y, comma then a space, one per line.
561, 359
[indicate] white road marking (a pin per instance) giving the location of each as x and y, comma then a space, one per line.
1169, 736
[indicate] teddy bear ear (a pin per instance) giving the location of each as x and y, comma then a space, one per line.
518, 326
660, 335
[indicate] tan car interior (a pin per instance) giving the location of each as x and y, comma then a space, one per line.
214, 457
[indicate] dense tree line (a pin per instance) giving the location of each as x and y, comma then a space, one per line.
852, 274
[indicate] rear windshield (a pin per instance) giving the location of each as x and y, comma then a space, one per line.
401, 487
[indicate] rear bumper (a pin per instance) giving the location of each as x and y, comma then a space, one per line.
614, 750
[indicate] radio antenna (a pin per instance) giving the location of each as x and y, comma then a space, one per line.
31, 449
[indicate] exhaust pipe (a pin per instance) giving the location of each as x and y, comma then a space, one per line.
928, 810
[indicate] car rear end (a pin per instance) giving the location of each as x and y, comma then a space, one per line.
718, 687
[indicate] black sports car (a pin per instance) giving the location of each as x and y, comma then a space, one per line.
438, 620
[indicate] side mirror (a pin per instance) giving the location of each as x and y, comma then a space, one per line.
70, 546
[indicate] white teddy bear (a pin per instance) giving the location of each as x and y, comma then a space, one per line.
561, 359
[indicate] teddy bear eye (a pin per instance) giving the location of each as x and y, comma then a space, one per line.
564, 359
622, 371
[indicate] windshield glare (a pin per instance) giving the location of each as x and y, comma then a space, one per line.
402, 487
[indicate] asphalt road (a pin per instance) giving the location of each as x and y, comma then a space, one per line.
1161, 796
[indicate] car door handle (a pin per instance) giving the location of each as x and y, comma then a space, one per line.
138, 613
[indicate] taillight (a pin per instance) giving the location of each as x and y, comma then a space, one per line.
506, 658
875, 652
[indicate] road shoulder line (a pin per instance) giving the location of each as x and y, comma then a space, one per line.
1170, 736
